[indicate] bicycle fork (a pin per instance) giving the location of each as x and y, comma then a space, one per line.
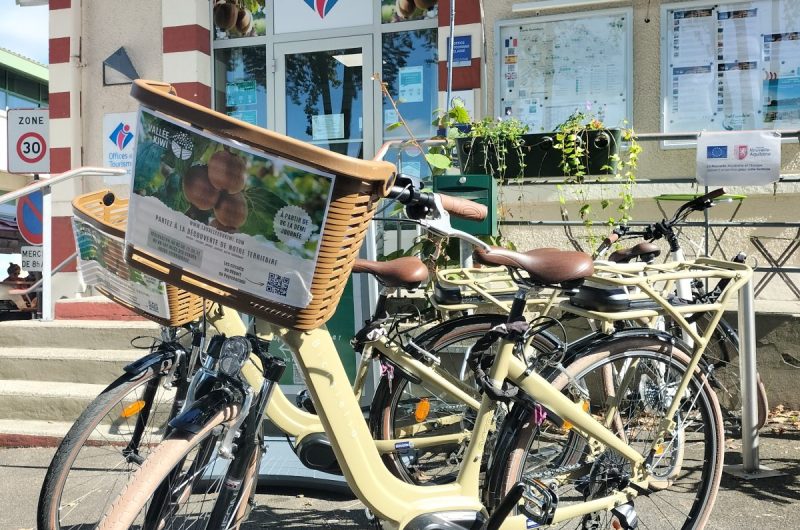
229, 510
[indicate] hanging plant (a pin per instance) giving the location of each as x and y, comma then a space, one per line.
572, 139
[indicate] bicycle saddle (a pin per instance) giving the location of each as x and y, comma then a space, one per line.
407, 272
545, 266
646, 251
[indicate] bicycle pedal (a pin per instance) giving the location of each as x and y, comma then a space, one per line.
626, 516
539, 502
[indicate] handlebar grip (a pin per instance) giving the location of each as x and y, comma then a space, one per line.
464, 208
704, 201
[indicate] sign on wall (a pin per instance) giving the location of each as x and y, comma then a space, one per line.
738, 158
27, 140
119, 135
551, 67
311, 15
731, 67
32, 258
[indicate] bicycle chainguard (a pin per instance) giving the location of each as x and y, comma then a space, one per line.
539, 502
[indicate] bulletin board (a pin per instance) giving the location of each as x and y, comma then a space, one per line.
549, 67
732, 66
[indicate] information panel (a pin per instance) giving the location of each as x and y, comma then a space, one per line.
549, 67
732, 66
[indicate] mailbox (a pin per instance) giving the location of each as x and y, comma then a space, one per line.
479, 188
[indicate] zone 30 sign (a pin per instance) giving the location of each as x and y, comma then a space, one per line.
28, 146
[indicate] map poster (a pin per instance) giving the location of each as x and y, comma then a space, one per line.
101, 263
551, 67
227, 212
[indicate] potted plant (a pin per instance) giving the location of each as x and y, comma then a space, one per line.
505, 149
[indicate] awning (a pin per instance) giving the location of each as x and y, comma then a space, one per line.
9, 231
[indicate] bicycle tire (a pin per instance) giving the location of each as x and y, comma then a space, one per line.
163, 463
86, 448
722, 358
551, 463
390, 416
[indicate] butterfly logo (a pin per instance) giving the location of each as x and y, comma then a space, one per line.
322, 7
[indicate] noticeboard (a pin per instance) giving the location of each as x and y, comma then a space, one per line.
731, 67
550, 67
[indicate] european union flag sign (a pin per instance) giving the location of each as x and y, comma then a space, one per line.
717, 151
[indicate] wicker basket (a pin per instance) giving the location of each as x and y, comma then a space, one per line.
358, 185
183, 306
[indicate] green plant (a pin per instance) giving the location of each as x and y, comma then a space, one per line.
571, 140
497, 139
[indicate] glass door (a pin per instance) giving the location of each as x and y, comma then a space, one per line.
323, 93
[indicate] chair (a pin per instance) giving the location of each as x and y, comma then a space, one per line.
792, 244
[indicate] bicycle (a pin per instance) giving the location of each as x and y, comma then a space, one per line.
720, 358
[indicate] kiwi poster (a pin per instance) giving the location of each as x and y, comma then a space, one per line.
221, 209
101, 263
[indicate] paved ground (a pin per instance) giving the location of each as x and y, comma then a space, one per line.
764, 504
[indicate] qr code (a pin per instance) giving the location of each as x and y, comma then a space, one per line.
277, 284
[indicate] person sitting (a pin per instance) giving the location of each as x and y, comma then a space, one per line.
13, 278
14, 271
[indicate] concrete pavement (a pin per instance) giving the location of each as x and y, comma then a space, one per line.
768, 504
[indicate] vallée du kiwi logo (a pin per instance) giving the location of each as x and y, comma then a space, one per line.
180, 143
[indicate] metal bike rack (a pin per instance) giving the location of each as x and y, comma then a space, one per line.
750, 468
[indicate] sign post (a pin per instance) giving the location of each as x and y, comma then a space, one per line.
28, 140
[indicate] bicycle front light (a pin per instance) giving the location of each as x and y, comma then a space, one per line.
232, 355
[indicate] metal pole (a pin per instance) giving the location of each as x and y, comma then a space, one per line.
47, 254
450, 53
748, 373
750, 468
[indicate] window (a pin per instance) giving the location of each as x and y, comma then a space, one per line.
241, 83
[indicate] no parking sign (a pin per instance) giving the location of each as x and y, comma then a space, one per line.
28, 146
29, 217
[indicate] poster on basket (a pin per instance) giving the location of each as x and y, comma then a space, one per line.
101, 262
240, 217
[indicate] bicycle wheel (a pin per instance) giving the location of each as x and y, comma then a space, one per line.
686, 470
107, 443
403, 409
178, 484
722, 358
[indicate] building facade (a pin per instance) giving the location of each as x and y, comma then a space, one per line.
307, 69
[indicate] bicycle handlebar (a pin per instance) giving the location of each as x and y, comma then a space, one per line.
420, 203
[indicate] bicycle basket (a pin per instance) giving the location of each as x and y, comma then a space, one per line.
99, 233
246, 217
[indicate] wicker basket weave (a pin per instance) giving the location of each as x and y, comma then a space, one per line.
358, 186
184, 306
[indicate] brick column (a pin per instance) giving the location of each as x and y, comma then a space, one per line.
66, 137
187, 48
468, 22
65, 85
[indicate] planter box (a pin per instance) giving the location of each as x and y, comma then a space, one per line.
541, 158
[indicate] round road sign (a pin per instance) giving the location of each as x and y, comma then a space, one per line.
29, 217
31, 147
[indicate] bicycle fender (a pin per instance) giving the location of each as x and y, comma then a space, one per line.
583, 346
150, 360
193, 419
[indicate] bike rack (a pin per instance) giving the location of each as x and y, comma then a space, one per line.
750, 468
